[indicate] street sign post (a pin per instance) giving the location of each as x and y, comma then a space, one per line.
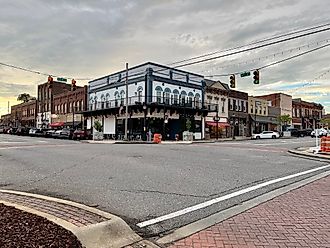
245, 74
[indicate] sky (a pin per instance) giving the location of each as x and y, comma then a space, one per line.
89, 39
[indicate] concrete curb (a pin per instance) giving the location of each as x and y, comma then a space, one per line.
309, 155
209, 221
107, 234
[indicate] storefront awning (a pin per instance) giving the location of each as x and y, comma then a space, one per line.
57, 124
220, 124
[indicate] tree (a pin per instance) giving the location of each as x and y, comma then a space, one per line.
325, 122
98, 126
284, 120
24, 97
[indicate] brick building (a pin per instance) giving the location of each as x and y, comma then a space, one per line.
238, 113
306, 114
68, 107
29, 113
23, 114
6, 120
45, 100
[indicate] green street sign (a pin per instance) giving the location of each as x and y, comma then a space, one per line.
62, 79
245, 74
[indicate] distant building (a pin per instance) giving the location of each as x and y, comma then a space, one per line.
6, 120
160, 100
216, 95
281, 103
45, 101
259, 115
306, 114
24, 114
238, 113
68, 108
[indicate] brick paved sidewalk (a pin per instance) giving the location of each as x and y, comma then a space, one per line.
300, 218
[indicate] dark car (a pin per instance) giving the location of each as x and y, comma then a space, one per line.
80, 134
65, 133
12, 130
22, 131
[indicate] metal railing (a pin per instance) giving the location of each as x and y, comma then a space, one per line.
173, 101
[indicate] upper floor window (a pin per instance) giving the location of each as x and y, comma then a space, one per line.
122, 97
175, 96
159, 92
167, 95
183, 97
139, 94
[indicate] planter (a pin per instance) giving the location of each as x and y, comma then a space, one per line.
97, 135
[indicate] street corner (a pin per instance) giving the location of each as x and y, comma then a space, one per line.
92, 227
309, 152
297, 218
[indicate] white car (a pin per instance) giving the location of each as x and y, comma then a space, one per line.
266, 135
320, 133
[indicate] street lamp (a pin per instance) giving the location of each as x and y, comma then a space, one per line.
255, 115
217, 119
232, 123
144, 121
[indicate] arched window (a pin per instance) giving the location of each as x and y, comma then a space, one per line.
65, 108
102, 101
167, 94
107, 99
159, 91
82, 105
117, 97
95, 102
78, 106
183, 97
139, 93
176, 96
122, 97
190, 98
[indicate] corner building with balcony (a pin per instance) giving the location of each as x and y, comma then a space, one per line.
160, 100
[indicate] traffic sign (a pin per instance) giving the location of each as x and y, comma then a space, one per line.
245, 74
62, 79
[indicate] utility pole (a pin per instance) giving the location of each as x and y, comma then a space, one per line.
8, 108
126, 112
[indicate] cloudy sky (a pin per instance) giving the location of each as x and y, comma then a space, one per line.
89, 39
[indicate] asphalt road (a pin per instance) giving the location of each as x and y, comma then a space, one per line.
143, 182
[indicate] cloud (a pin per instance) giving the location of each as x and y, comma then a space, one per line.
89, 38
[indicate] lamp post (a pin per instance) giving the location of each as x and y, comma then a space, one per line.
257, 103
217, 119
232, 123
144, 121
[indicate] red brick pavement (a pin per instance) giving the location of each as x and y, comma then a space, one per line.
300, 218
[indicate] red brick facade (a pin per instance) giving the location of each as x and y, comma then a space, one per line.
306, 114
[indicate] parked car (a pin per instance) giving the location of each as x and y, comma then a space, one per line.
4, 129
266, 135
319, 133
50, 133
65, 133
32, 131
80, 134
12, 130
22, 131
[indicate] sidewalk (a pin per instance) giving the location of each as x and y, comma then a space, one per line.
299, 218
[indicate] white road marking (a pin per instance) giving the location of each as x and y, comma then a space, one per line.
225, 197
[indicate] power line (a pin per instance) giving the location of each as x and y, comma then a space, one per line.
267, 56
252, 48
39, 73
252, 43
273, 63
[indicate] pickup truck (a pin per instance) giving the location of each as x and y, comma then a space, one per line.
300, 132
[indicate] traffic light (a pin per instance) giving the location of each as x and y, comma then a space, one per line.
256, 77
73, 85
232, 81
50, 81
